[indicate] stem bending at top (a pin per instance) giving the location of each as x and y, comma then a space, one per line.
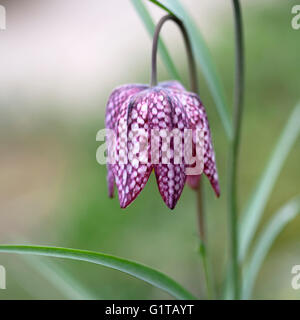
191, 60
233, 160
194, 88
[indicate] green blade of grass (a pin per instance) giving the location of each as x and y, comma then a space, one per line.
140, 271
203, 57
60, 279
288, 212
255, 208
150, 26
253, 212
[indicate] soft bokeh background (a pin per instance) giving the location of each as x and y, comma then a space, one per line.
59, 61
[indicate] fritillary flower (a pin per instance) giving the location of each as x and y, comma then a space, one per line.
164, 108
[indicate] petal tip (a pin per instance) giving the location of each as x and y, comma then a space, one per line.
124, 204
217, 191
193, 181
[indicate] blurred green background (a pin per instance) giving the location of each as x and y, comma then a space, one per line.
60, 60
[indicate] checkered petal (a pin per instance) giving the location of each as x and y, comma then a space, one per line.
198, 120
166, 119
117, 98
149, 125
132, 177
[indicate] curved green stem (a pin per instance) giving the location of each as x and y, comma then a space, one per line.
233, 161
140, 271
191, 59
194, 88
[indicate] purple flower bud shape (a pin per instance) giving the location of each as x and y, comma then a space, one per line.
150, 125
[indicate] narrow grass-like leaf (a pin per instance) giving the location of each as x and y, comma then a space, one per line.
265, 241
61, 280
253, 212
150, 26
140, 271
69, 287
168, 7
204, 59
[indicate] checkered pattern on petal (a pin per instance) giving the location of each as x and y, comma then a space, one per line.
167, 117
198, 119
136, 114
115, 101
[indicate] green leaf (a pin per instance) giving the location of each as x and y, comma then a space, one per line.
265, 241
59, 278
203, 57
262, 191
150, 26
140, 271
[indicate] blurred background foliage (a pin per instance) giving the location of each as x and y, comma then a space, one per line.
53, 192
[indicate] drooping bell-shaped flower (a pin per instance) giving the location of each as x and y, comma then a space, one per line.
161, 128
154, 112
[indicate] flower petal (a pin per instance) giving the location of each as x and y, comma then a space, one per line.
167, 119
170, 180
139, 167
193, 181
133, 145
117, 98
110, 181
198, 119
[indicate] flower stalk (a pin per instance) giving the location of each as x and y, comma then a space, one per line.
138, 116
235, 144
194, 88
188, 46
